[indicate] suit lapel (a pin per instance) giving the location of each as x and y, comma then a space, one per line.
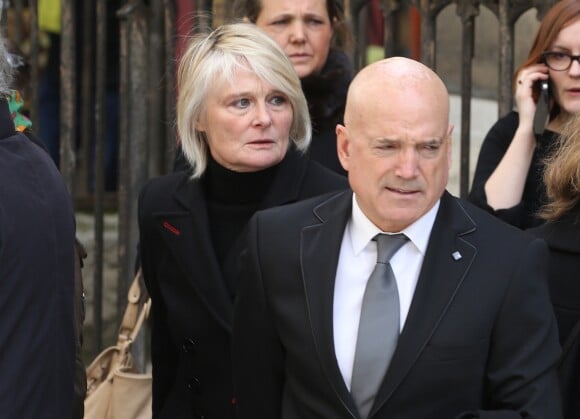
188, 238
320, 248
447, 260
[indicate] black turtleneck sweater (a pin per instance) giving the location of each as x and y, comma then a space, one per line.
232, 198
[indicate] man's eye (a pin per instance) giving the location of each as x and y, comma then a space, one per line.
386, 146
431, 147
429, 150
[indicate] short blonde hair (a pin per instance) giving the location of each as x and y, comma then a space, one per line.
562, 173
214, 58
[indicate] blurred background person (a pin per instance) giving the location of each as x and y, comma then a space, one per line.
244, 124
508, 177
37, 269
313, 34
562, 233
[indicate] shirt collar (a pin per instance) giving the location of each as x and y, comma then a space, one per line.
362, 230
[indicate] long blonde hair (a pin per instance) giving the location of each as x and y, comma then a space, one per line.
562, 173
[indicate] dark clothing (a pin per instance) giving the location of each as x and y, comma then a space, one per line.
326, 97
492, 151
191, 290
563, 238
37, 269
231, 199
480, 335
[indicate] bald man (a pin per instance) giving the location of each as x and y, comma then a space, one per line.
474, 333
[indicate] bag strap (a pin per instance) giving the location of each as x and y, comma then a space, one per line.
133, 318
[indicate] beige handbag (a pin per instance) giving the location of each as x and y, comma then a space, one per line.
115, 390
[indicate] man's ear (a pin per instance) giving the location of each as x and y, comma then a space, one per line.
343, 146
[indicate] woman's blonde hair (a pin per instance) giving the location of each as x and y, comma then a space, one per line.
562, 173
215, 58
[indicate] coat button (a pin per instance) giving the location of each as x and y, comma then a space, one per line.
189, 345
194, 385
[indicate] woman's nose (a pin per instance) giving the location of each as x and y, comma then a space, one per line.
297, 33
262, 115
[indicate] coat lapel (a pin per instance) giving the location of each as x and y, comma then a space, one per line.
447, 260
188, 238
320, 248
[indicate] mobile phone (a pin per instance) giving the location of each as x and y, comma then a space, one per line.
542, 108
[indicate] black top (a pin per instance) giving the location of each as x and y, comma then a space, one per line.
232, 198
563, 238
326, 97
492, 151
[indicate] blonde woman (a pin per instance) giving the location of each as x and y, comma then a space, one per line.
244, 126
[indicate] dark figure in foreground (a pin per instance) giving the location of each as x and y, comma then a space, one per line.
471, 330
37, 268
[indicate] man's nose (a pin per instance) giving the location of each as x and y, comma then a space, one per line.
407, 163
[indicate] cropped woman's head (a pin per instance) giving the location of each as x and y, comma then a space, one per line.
559, 32
305, 29
240, 100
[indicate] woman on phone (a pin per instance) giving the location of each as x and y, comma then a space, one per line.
508, 177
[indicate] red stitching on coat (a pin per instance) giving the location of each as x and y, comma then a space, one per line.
171, 228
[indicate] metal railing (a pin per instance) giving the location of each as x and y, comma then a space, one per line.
147, 38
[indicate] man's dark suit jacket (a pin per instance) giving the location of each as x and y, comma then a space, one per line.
37, 262
192, 306
480, 339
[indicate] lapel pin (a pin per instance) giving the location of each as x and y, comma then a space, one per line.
456, 255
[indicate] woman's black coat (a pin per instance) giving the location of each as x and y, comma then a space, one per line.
192, 306
563, 238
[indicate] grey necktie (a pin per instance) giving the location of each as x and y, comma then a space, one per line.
378, 329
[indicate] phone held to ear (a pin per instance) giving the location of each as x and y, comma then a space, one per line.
542, 108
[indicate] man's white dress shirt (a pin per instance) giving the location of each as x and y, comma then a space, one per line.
358, 256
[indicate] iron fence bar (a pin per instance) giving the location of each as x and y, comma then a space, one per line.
87, 80
170, 83
99, 138
390, 10
34, 67
136, 142
468, 11
68, 95
156, 146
